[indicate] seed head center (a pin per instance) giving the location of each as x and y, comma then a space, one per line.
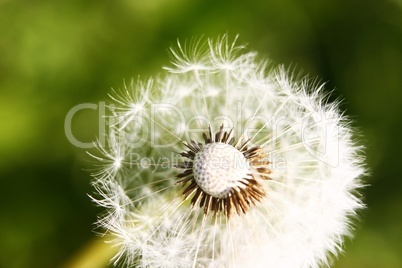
219, 167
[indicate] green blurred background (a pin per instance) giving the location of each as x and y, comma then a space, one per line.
57, 54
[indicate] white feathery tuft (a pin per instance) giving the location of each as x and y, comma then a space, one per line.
310, 199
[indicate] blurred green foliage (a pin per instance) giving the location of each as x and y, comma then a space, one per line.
57, 54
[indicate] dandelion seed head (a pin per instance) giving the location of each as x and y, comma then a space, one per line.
219, 168
224, 160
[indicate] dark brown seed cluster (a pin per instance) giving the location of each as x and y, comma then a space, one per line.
239, 199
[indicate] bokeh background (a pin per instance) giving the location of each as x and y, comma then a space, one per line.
57, 54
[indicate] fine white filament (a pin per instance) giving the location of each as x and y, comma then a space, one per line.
310, 199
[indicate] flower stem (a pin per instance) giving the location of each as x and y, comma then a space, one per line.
97, 253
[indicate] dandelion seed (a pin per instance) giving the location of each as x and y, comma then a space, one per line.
221, 176
226, 162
